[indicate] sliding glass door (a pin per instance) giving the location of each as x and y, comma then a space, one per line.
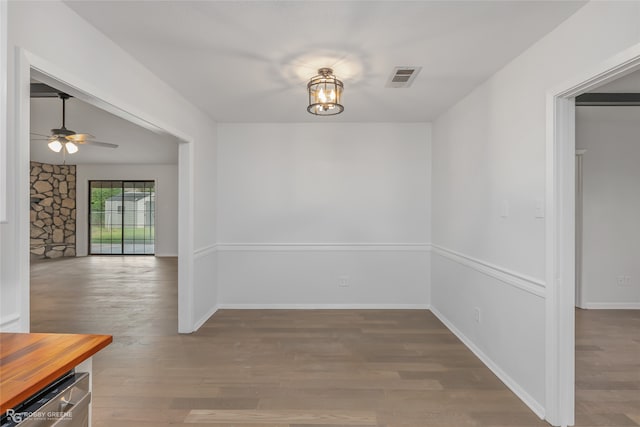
122, 217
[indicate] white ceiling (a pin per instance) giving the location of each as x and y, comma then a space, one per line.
136, 145
250, 61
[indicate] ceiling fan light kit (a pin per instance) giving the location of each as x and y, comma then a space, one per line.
71, 147
65, 140
325, 94
55, 145
58, 139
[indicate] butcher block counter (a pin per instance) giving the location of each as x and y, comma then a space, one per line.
29, 362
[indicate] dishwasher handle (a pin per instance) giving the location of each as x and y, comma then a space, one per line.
69, 406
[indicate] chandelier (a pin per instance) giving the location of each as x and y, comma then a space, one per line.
325, 94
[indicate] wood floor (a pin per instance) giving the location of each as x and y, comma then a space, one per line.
608, 367
312, 368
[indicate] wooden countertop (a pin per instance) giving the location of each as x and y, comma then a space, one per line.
29, 362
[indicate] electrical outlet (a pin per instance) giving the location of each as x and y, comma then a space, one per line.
476, 314
624, 281
343, 281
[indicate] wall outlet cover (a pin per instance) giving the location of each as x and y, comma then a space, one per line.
343, 281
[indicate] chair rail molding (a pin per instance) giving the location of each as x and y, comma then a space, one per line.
9, 323
205, 250
529, 284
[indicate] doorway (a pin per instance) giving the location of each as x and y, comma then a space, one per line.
33, 66
560, 246
122, 217
607, 292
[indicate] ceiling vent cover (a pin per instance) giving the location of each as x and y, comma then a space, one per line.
403, 76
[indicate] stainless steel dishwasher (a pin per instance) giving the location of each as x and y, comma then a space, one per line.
64, 403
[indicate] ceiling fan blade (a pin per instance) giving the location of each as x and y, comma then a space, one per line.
39, 134
40, 139
79, 138
100, 144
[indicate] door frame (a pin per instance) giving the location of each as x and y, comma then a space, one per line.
560, 231
28, 63
579, 225
4, 92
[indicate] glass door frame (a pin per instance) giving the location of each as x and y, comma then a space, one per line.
122, 242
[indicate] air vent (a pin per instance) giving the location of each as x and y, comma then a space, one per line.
403, 76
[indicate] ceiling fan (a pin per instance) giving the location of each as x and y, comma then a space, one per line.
66, 139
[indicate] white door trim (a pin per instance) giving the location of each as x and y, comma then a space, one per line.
579, 226
560, 231
65, 79
4, 76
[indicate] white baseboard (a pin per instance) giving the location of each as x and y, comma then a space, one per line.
325, 306
315, 247
157, 255
611, 306
532, 403
204, 318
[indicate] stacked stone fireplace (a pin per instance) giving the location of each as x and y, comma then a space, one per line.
53, 210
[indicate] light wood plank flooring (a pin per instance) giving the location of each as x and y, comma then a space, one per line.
608, 367
283, 368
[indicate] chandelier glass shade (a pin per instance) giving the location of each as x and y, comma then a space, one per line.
325, 94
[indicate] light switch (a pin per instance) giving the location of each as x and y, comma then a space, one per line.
539, 208
504, 209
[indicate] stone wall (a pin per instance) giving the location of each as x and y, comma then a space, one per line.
53, 210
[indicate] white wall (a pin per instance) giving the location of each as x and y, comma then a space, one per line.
301, 205
611, 205
112, 75
488, 150
166, 220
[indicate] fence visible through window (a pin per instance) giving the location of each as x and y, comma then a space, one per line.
122, 217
